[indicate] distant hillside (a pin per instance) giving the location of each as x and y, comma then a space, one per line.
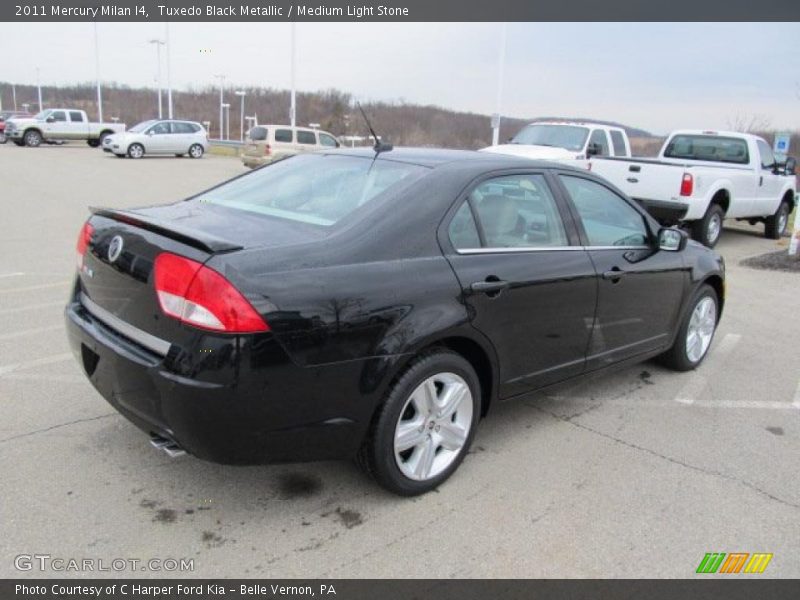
401, 122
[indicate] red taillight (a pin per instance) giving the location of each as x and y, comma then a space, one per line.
687, 184
267, 150
199, 296
84, 237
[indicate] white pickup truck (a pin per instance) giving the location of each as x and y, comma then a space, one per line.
59, 124
703, 177
566, 141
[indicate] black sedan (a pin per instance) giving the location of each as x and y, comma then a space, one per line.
353, 304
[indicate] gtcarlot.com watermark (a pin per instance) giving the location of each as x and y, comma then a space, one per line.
57, 564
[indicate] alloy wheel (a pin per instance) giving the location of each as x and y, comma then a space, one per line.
701, 329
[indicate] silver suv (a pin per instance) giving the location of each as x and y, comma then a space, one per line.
159, 137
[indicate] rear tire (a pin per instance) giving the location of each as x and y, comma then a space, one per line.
424, 428
102, 138
196, 151
136, 151
32, 138
708, 230
696, 332
775, 225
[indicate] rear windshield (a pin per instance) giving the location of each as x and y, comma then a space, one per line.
569, 137
709, 148
258, 134
314, 188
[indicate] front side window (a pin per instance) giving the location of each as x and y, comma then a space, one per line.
306, 137
708, 148
75, 116
59, 115
315, 188
600, 142
140, 127
327, 140
283, 135
767, 157
608, 219
514, 211
160, 129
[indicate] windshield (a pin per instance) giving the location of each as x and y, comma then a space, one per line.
318, 189
41, 116
140, 127
568, 137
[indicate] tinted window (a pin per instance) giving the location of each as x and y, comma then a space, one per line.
258, 134
600, 140
569, 137
327, 140
767, 157
463, 232
316, 189
617, 143
159, 128
518, 211
59, 115
75, 116
709, 148
283, 135
184, 128
607, 218
306, 137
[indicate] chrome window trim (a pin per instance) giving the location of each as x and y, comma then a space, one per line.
151, 342
544, 249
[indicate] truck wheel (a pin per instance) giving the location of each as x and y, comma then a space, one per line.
196, 151
102, 138
32, 138
93, 143
708, 229
136, 151
775, 226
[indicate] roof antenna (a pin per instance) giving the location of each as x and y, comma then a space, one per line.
379, 145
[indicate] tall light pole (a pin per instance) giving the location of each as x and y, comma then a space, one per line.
227, 108
169, 82
241, 94
158, 44
293, 105
500, 67
97, 73
221, 100
14, 94
39, 86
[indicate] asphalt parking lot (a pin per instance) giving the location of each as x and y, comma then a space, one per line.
635, 474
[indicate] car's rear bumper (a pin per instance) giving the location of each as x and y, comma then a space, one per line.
666, 213
240, 400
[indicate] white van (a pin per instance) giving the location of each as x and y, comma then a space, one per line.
265, 143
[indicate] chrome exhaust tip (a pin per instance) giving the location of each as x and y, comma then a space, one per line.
170, 447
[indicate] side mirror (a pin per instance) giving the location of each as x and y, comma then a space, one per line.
790, 166
593, 149
151, 132
671, 239
50, 119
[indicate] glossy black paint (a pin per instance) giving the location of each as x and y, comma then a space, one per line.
348, 307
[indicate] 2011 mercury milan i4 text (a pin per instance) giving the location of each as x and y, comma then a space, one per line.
375, 305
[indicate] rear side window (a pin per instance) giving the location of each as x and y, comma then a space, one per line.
184, 128
258, 134
75, 116
617, 143
608, 219
463, 231
327, 140
315, 189
600, 140
708, 148
284, 135
306, 137
514, 211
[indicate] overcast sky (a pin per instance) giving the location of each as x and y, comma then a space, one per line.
657, 76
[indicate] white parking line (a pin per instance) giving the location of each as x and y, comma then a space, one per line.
32, 288
26, 332
17, 274
9, 311
762, 404
38, 362
697, 382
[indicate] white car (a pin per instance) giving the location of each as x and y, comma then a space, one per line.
167, 136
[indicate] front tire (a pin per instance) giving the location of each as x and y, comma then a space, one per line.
775, 225
32, 138
92, 143
708, 230
424, 429
196, 151
136, 151
696, 332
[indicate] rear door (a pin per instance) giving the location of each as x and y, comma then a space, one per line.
530, 288
639, 288
78, 125
284, 141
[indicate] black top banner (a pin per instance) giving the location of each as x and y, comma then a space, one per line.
401, 10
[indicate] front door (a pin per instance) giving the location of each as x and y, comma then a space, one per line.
639, 288
528, 288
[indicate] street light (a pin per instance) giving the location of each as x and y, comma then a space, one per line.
169, 83
241, 94
221, 100
293, 104
39, 86
158, 44
97, 75
314, 125
500, 67
25, 106
227, 108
